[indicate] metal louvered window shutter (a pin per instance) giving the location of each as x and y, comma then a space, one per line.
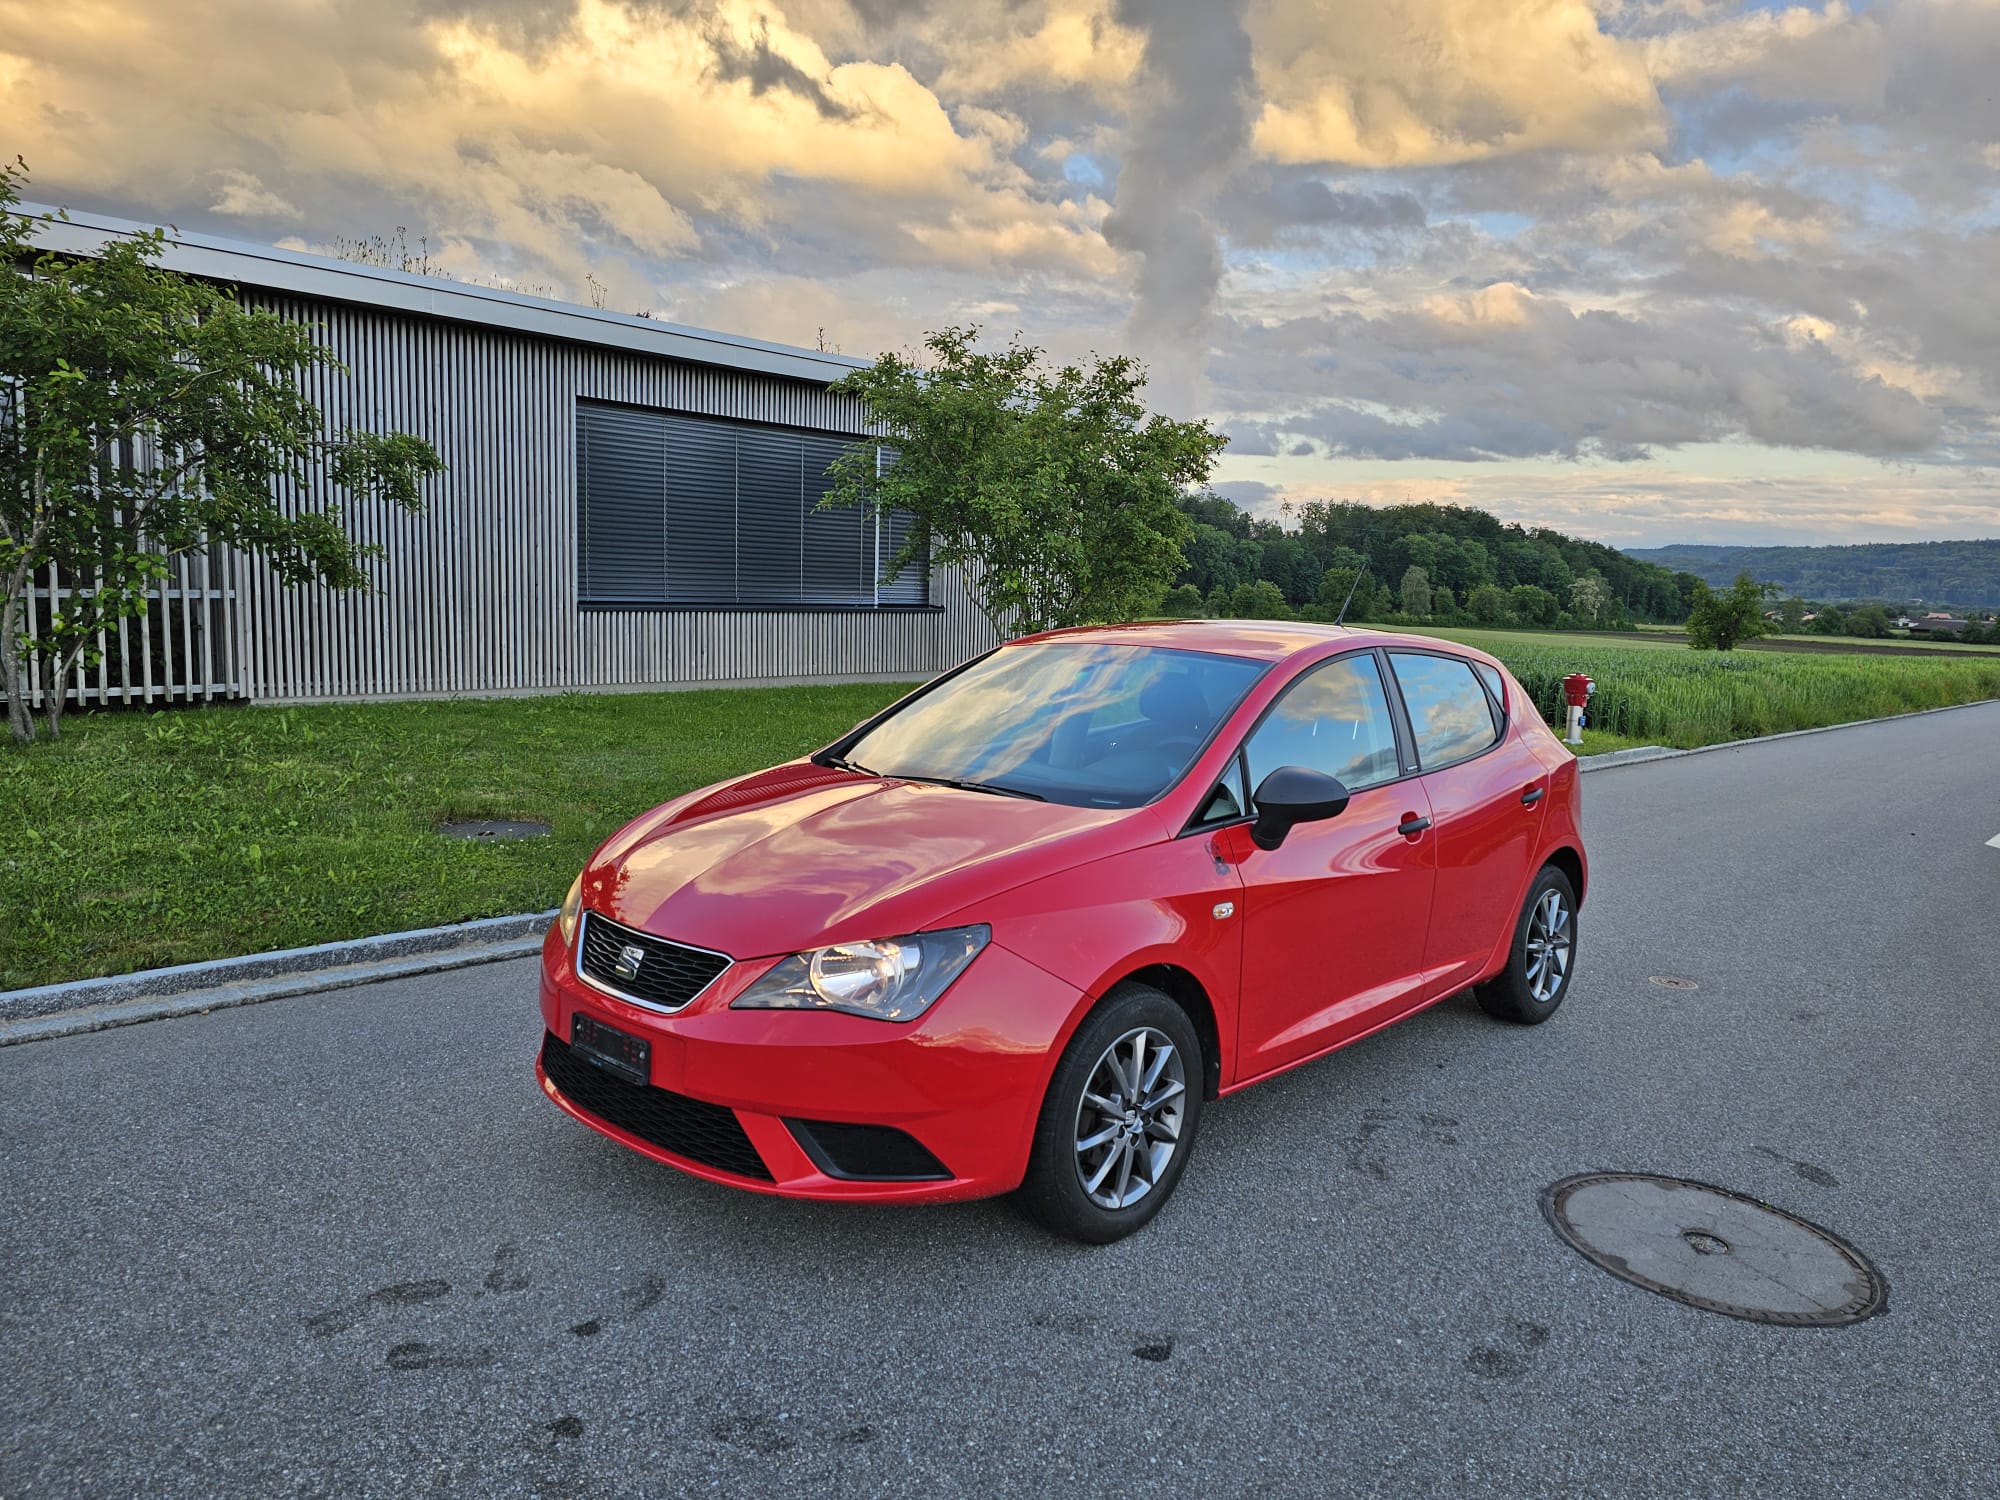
621, 535
695, 511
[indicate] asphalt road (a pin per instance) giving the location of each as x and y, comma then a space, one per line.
341, 1246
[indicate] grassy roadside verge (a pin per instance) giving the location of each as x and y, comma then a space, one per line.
144, 840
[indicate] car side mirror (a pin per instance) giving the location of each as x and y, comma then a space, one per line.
1292, 795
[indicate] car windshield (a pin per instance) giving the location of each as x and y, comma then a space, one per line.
1087, 724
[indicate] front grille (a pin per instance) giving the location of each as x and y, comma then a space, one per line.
701, 1132
868, 1153
667, 974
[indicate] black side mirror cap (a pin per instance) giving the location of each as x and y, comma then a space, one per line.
1292, 795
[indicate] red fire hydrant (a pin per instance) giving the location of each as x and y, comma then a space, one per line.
1577, 689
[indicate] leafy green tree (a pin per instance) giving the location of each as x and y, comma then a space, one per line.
1589, 596
1489, 605
1334, 585
1792, 615
1444, 604
1533, 604
144, 415
1719, 620
1868, 620
1258, 601
1416, 591
1181, 603
1216, 605
1052, 488
1831, 620
1211, 558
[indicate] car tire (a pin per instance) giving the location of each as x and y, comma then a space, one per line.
1092, 1176
1542, 960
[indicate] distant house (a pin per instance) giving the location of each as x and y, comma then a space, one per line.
1936, 623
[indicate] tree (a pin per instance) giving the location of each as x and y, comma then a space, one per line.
1349, 570
1489, 605
1261, 600
1868, 620
143, 415
1053, 489
1182, 603
1416, 591
1589, 596
1793, 613
1718, 621
1533, 604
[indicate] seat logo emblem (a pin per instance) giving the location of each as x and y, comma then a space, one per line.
1225, 909
629, 958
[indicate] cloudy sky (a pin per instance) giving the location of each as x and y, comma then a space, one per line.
1648, 270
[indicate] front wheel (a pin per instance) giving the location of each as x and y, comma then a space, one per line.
1119, 1120
1543, 957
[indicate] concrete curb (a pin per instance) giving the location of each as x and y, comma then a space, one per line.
95, 1004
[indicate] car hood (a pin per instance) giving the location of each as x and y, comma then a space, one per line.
801, 856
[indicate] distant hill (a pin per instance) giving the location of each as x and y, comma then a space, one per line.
1960, 573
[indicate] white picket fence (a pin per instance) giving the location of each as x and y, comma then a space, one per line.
188, 647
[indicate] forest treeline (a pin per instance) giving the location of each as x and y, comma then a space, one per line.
1424, 561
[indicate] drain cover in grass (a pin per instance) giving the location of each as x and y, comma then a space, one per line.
494, 828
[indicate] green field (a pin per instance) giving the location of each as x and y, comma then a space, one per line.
150, 839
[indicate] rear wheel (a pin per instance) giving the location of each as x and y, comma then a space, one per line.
1543, 957
1119, 1120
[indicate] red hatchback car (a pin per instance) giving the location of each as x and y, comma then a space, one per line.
1016, 929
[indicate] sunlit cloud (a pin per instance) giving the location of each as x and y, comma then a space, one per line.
1570, 259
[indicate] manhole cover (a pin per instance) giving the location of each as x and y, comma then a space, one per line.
1714, 1249
494, 828
1669, 982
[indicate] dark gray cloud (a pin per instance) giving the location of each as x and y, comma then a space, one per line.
1190, 122
765, 70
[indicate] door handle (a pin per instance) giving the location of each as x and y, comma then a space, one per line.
1532, 795
1412, 825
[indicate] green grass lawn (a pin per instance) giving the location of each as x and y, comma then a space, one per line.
150, 839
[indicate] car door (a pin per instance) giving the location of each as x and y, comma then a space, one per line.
1335, 918
1486, 791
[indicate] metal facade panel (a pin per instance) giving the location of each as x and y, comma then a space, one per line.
478, 593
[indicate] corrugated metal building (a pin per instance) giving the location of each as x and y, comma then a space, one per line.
627, 504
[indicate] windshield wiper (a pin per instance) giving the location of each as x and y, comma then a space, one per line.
842, 763
970, 786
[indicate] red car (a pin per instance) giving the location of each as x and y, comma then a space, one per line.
1018, 928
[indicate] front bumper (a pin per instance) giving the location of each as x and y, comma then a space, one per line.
963, 1083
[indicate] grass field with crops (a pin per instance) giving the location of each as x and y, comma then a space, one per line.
150, 839
1653, 693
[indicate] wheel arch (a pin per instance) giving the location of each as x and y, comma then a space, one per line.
1570, 862
1186, 991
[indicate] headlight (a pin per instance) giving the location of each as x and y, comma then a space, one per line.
571, 907
895, 979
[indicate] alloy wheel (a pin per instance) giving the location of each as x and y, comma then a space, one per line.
1548, 948
1128, 1122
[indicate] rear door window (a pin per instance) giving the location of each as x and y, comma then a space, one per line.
1334, 719
1449, 711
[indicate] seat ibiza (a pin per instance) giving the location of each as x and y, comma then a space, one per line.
1015, 931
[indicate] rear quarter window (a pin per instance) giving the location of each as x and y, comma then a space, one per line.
1449, 710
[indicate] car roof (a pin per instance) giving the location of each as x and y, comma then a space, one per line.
1262, 640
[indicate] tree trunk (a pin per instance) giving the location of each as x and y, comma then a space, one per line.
14, 666
56, 696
